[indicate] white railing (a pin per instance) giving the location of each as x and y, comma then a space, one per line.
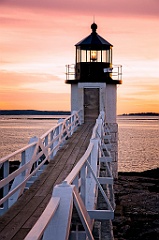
115, 71
81, 188
33, 158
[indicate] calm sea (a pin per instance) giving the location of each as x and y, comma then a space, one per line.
138, 138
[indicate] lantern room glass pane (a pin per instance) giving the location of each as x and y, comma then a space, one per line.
99, 59
83, 55
78, 56
95, 56
107, 56
111, 56
104, 56
88, 56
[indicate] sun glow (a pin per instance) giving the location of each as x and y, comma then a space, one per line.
38, 42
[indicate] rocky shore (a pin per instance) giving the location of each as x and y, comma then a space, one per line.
137, 206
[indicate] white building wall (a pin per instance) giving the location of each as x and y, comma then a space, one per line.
76, 98
108, 98
110, 104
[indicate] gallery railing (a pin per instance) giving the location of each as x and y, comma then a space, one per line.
115, 72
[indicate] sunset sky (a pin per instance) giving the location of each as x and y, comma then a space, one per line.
37, 39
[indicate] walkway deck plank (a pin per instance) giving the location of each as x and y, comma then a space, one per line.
21, 217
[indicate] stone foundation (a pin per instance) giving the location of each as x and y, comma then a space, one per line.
113, 129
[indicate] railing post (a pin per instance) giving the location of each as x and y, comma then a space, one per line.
73, 118
75, 182
52, 145
6, 187
82, 116
46, 141
102, 115
59, 226
57, 133
83, 182
99, 129
26, 157
55, 142
90, 181
61, 120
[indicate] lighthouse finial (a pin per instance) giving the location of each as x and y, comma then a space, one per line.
94, 27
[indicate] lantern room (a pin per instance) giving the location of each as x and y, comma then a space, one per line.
93, 56
94, 49
93, 60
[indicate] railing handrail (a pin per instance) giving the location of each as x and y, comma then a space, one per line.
9, 156
37, 231
72, 175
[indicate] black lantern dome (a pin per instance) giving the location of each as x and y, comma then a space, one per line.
93, 59
94, 41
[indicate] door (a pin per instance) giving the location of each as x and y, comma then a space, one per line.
91, 104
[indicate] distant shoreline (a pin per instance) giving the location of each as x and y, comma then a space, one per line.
33, 112
38, 112
140, 114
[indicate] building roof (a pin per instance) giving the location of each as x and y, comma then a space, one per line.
94, 41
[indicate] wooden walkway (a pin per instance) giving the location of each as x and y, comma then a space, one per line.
21, 217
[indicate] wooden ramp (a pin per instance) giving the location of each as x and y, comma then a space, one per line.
21, 217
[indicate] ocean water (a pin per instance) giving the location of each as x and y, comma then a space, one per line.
16, 131
138, 144
138, 138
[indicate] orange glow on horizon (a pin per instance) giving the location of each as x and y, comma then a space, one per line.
38, 42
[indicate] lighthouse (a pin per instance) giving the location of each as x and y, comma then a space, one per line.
93, 79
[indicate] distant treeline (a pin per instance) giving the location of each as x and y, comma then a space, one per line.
33, 112
37, 112
141, 114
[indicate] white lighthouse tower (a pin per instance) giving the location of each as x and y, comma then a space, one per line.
94, 85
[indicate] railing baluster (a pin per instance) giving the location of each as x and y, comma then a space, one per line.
83, 182
46, 141
75, 182
52, 145
23, 161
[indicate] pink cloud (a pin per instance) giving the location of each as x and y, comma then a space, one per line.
16, 80
114, 7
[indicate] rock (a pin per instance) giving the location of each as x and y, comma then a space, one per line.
137, 206
125, 229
